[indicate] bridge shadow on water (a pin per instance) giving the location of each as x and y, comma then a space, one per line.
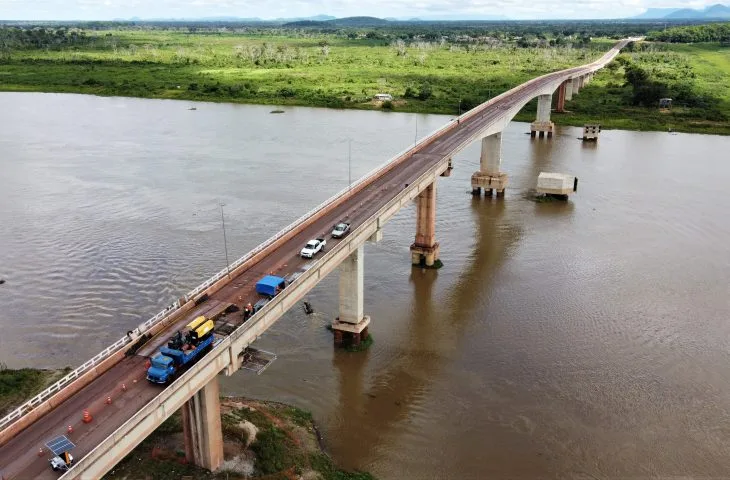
374, 416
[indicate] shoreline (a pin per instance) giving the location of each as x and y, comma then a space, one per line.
575, 117
262, 439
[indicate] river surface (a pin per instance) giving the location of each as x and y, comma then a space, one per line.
587, 339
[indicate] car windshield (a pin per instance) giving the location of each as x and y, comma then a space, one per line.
312, 244
340, 227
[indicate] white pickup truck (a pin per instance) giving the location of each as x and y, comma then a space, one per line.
313, 247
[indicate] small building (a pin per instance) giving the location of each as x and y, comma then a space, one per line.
665, 103
383, 97
556, 184
590, 132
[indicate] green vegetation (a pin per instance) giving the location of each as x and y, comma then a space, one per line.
714, 32
284, 447
433, 68
17, 386
626, 94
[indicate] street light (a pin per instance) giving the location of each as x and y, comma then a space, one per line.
415, 136
225, 241
349, 164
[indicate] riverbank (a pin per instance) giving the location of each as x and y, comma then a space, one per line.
328, 70
17, 386
261, 440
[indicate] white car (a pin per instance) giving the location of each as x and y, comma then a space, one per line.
313, 247
340, 230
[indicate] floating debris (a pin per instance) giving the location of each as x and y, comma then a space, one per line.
277, 111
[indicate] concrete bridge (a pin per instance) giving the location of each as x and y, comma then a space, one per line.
125, 408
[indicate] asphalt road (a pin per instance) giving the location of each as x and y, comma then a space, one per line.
19, 458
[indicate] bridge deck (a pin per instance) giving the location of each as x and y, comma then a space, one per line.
19, 457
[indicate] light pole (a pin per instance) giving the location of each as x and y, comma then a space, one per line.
415, 136
349, 164
225, 241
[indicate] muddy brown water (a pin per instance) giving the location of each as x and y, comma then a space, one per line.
586, 339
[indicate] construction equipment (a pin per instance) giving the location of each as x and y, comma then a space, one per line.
60, 447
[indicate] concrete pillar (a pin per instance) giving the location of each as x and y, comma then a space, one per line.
542, 125
577, 84
351, 321
489, 177
201, 417
425, 248
351, 287
490, 160
569, 89
544, 102
561, 98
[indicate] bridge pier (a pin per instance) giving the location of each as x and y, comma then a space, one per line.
425, 248
560, 108
568, 89
489, 178
577, 84
542, 126
352, 325
201, 419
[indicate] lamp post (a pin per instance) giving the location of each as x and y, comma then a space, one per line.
225, 241
349, 164
415, 136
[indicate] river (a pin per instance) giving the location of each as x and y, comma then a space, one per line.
586, 339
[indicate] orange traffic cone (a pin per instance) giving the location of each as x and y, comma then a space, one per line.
147, 364
124, 387
87, 417
70, 429
40, 452
108, 400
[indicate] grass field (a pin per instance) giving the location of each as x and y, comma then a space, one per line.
287, 68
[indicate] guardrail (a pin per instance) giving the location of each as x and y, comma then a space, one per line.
172, 308
28, 406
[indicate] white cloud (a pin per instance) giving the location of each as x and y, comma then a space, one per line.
518, 9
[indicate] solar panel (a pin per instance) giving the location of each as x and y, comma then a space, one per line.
59, 445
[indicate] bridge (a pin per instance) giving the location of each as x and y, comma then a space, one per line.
124, 408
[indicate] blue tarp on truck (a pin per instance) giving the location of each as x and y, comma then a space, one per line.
270, 285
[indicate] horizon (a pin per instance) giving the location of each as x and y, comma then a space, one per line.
436, 10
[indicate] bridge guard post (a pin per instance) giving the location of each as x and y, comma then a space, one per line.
352, 325
489, 177
201, 418
542, 126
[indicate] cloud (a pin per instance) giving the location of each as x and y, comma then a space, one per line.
518, 9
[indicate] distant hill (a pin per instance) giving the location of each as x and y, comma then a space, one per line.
653, 13
341, 22
713, 12
316, 18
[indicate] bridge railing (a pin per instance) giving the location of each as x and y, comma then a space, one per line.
34, 402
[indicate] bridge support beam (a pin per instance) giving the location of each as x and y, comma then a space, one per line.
560, 108
425, 249
201, 418
489, 177
352, 325
542, 126
577, 85
569, 89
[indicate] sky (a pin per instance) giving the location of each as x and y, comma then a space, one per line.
514, 9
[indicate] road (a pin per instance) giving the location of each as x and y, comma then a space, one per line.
19, 458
